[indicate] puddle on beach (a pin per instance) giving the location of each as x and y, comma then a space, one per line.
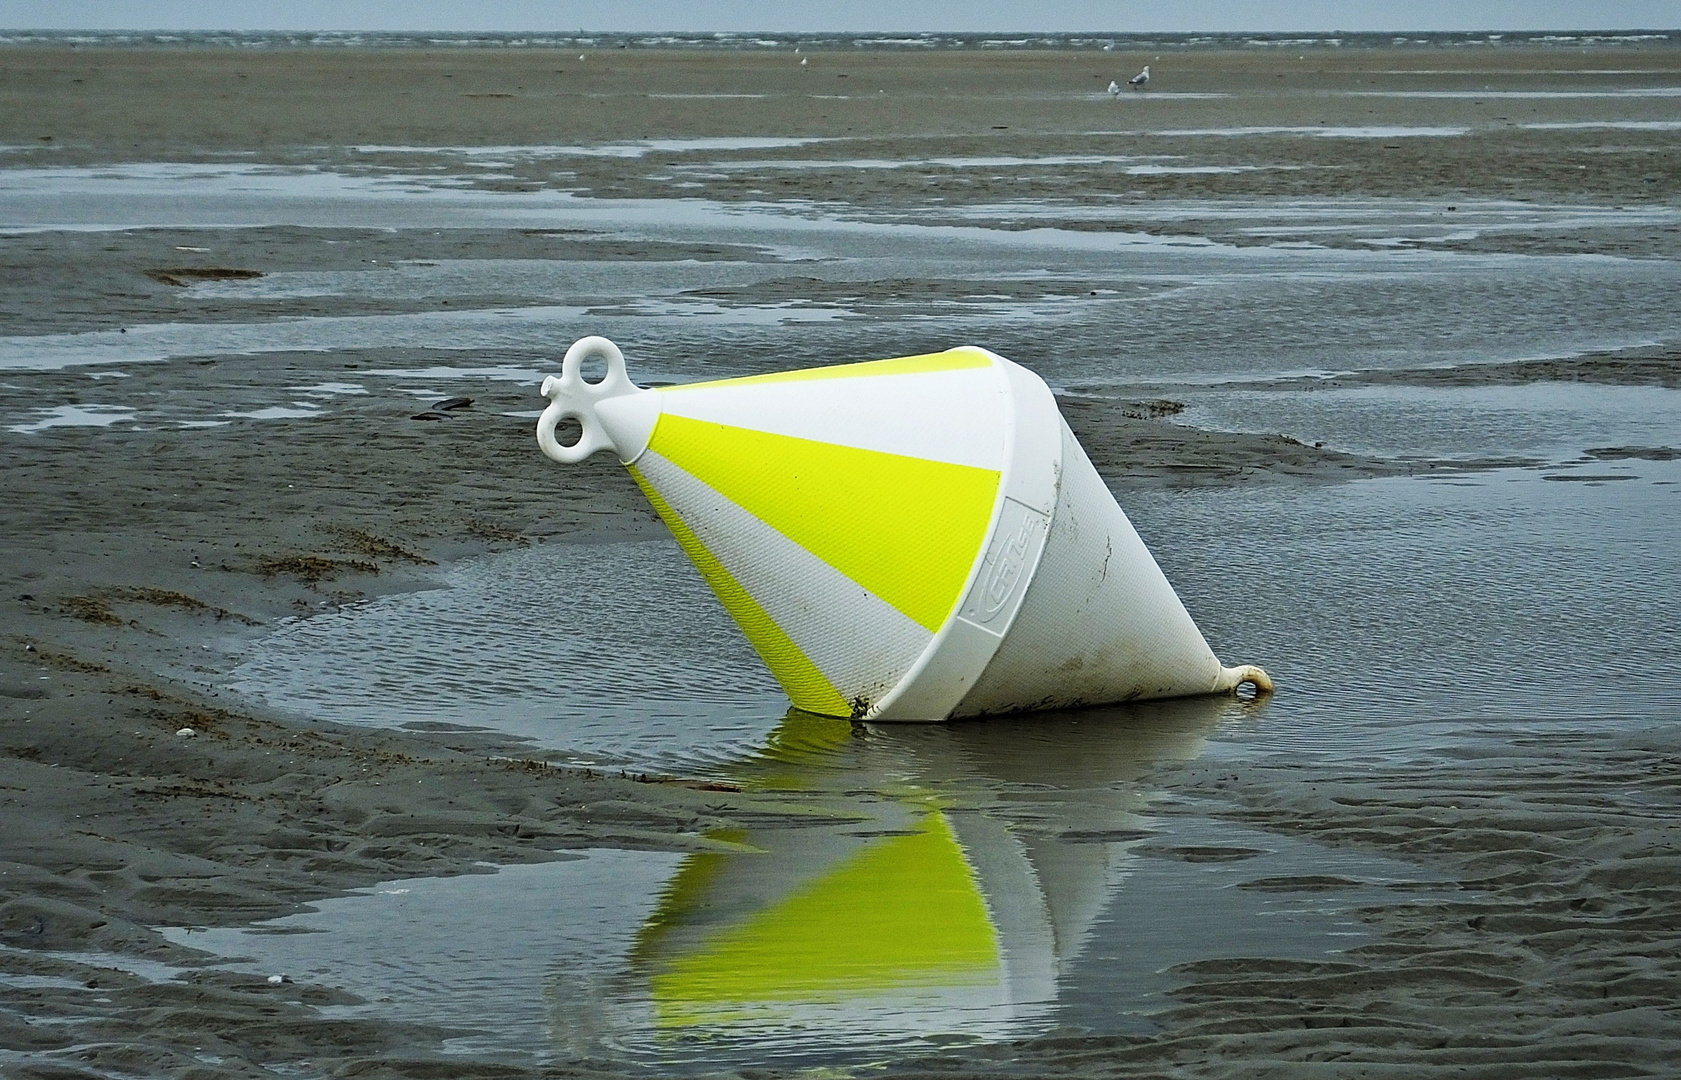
1389, 131
1533, 95
989, 881
1130, 164
1608, 125
603, 654
75, 416
634, 149
1446, 612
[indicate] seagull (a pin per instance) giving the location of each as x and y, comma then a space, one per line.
1137, 81
802, 61
1114, 88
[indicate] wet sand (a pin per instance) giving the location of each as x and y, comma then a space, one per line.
89, 105
1547, 946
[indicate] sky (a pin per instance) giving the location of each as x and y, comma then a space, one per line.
1045, 16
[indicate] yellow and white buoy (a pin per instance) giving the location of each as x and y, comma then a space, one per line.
910, 539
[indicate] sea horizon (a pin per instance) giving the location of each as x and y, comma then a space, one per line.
768, 40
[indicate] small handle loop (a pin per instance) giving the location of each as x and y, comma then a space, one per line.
1231, 678
571, 397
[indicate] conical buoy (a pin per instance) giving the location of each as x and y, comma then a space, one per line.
910, 539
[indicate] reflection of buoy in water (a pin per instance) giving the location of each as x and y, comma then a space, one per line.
966, 910
906, 539
882, 924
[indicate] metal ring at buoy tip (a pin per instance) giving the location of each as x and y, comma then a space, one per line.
1244, 674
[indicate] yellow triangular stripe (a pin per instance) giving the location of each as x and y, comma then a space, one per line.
950, 360
804, 684
905, 528
903, 912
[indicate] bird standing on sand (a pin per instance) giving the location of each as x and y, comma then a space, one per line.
1137, 81
1114, 88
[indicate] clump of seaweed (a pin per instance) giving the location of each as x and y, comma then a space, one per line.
311, 568
191, 790
156, 597
1632, 453
499, 534
96, 607
91, 609
182, 276
66, 662
530, 765
142, 690
1152, 410
366, 543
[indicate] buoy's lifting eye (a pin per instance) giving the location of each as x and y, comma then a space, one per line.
1247, 683
568, 431
592, 372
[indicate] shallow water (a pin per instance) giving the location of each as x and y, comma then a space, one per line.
1612, 92
1376, 131
991, 884
1547, 422
605, 654
1445, 611
89, 415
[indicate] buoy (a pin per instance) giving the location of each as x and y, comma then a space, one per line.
918, 538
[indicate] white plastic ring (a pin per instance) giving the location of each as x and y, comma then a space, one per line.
571, 397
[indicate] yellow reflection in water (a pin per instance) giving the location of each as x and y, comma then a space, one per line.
926, 881
902, 912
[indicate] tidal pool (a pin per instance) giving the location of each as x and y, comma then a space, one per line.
910, 888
